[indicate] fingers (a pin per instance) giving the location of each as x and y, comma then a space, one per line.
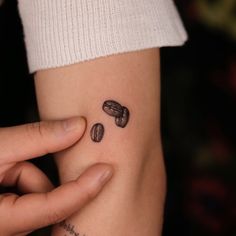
34, 211
27, 178
36, 139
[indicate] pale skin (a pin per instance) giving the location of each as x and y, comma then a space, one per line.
133, 202
41, 204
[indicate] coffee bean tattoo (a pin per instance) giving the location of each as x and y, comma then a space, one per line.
123, 119
116, 110
97, 132
112, 108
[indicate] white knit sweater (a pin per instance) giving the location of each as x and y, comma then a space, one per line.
63, 32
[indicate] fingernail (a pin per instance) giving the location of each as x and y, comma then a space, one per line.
72, 123
105, 176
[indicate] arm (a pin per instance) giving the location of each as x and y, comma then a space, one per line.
132, 203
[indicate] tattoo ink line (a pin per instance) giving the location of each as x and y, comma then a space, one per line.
97, 132
115, 109
112, 108
123, 120
70, 229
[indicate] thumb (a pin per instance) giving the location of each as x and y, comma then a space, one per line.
33, 211
27, 141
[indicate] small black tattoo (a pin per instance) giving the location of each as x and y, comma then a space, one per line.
123, 120
112, 108
97, 132
116, 110
69, 228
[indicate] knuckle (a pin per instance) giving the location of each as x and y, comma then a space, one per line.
8, 200
56, 216
25, 165
36, 132
32, 129
36, 127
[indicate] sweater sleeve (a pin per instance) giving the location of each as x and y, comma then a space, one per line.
63, 32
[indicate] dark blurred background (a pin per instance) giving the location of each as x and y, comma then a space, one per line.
198, 114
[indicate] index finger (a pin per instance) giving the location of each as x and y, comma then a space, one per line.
36, 139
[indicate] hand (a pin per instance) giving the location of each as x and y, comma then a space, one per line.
41, 205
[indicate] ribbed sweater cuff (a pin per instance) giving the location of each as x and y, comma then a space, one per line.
63, 32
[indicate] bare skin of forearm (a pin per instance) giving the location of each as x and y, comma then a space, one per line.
132, 203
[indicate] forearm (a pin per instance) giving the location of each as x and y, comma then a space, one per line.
133, 202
